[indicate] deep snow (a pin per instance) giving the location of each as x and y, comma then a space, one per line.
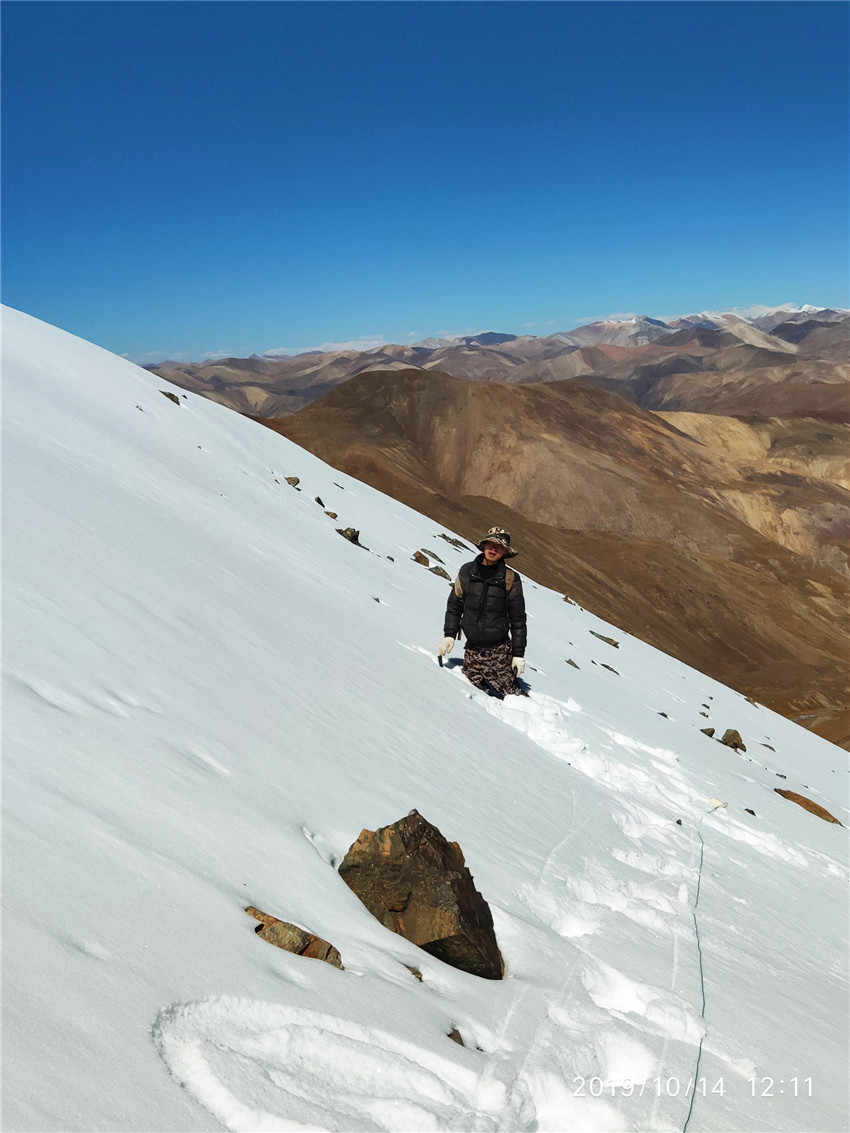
208, 693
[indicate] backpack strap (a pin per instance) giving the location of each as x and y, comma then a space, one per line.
510, 575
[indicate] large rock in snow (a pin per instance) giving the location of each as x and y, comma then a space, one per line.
732, 738
417, 884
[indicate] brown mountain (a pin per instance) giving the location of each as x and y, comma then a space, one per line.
720, 548
738, 380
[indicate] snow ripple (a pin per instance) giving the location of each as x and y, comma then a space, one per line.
322, 1071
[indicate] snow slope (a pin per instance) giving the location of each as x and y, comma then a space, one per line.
208, 693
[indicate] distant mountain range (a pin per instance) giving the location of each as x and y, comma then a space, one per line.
721, 360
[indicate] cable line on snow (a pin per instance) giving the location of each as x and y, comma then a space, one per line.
718, 805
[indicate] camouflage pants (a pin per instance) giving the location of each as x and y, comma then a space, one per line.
490, 669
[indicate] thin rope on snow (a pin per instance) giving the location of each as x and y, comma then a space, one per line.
717, 806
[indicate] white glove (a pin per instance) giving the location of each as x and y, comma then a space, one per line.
446, 646
518, 665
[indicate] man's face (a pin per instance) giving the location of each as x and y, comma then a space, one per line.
492, 553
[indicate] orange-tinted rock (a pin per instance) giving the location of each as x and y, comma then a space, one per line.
294, 939
417, 884
807, 804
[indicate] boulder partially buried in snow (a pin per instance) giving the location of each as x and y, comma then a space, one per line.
294, 939
351, 534
807, 804
417, 884
732, 738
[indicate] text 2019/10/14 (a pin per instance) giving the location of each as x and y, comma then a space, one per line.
670, 1087
674, 1087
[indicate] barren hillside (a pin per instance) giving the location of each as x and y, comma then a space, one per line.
627, 514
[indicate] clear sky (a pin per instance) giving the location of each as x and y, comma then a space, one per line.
183, 179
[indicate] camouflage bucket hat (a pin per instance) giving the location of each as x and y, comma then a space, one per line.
500, 536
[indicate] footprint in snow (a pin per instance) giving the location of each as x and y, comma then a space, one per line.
91, 948
652, 1009
199, 758
127, 698
55, 697
763, 841
113, 701
322, 846
569, 918
656, 865
108, 703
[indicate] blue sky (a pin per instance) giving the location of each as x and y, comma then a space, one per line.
189, 178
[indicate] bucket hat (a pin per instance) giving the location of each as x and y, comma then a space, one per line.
500, 536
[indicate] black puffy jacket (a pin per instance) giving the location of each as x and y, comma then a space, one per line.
486, 611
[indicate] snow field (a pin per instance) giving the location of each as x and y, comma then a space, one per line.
208, 693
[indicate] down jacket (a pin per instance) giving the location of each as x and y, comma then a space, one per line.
481, 606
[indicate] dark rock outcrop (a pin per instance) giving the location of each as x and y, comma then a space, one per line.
732, 738
351, 534
294, 939
607, 640
417, 884
454, 542
423, 559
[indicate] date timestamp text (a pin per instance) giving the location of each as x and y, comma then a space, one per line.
674, 1087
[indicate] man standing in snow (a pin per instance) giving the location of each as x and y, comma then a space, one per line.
487, 604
